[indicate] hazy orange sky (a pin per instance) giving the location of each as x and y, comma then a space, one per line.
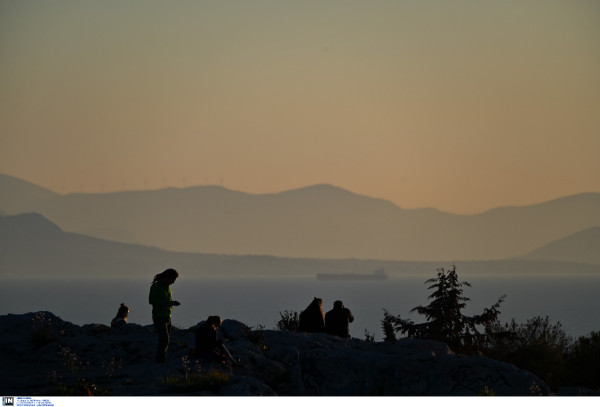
461, 105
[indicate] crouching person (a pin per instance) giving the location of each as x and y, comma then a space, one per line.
208, 346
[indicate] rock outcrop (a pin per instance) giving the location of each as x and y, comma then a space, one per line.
44, 355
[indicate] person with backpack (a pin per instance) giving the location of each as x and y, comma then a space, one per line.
162, 302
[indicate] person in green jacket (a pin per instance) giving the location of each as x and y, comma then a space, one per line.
162, 302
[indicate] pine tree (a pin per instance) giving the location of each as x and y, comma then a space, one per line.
387, 324
444, 319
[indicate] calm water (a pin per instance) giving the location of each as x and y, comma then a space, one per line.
574, 301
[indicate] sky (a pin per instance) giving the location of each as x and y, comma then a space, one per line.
462, 106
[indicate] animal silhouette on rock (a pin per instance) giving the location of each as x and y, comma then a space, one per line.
312, 318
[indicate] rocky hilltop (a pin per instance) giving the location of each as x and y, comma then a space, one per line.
43, 356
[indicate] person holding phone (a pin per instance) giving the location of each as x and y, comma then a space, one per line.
162, 302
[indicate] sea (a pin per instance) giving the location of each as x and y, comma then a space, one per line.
574, 301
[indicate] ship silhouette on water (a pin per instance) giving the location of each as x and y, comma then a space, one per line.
375, 275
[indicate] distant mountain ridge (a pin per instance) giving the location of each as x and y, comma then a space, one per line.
16, 195
582, 247
32, 246
321, 221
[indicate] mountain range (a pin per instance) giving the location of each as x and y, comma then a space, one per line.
32, 246
320, 222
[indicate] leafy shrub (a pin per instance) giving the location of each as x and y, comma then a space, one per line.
537, 345
290, 320
257, 336
583, 362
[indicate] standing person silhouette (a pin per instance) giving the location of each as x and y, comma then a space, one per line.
162, 302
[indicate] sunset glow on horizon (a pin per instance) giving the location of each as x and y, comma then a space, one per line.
462, 106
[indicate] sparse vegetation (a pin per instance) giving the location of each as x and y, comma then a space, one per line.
42, 330
289, 321
81, 386
111, 366
194, 382
187, 367
257, 337
486, 392
70, 360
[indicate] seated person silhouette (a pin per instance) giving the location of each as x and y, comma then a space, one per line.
207, 345
337, 321
121, 318
312, 319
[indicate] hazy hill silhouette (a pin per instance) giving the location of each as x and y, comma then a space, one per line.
17, 196
32, 246
317, 222
583, 247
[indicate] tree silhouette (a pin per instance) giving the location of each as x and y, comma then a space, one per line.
387, 324
444, 319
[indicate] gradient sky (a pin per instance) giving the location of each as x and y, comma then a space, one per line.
461, 105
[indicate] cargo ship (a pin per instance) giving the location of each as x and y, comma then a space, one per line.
375, 275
